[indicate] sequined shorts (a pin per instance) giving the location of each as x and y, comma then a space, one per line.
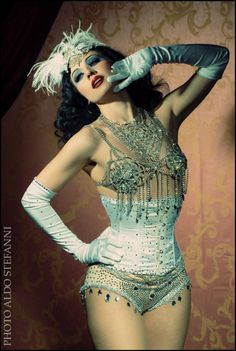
144, 291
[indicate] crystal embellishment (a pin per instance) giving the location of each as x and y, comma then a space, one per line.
107, 298
152, 160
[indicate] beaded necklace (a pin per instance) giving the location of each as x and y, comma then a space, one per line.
134, 133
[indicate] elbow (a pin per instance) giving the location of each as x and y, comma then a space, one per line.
23, 201
26, 200
226, 54
223, 60
226, 57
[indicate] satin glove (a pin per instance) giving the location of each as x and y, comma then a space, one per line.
210, 59
131, 68
36, 202
104, 250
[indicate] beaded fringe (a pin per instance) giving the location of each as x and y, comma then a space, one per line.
143, 201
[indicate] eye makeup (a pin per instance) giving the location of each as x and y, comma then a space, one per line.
77, 75
93, 59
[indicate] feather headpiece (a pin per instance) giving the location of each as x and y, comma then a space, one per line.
73, 46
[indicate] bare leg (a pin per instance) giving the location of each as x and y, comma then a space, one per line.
167, 325
114, 325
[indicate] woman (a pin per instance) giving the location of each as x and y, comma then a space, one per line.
125, 136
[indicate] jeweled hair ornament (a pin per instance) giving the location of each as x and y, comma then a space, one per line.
48, 73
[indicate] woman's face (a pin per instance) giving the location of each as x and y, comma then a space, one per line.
89, 76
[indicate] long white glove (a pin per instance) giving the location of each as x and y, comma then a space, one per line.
211, 60
36, 202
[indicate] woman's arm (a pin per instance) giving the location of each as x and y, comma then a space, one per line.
183, 100
36, 201
74, 155
211, 61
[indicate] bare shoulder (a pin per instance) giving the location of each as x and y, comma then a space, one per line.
86, 132
86, 138
94, 129
81, 147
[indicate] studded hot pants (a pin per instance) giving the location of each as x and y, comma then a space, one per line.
144, 291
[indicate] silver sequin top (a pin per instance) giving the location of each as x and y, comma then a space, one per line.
145, 163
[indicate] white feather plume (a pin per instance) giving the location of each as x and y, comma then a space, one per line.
48, 73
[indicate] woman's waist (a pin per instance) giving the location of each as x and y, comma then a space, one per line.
152, 224
153, 259
146, 249
140, 238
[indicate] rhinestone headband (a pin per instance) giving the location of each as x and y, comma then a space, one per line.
69, 51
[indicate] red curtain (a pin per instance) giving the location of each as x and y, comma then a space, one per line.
24, 28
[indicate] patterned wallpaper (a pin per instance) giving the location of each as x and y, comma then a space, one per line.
46, 311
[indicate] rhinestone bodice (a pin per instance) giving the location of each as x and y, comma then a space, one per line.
145, 163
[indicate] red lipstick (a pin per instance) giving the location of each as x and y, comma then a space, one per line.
97, 81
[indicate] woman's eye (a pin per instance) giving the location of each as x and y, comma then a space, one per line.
92, 60
77, 76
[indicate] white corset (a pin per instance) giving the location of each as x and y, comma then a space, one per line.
150, 246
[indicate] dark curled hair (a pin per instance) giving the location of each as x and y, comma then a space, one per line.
74, 111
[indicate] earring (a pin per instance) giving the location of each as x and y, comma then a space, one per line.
88, 107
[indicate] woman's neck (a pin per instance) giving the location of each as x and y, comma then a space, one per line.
121, 111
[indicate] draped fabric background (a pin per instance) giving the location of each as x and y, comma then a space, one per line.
46, 311
21, 37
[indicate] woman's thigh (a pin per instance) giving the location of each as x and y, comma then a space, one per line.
167, 325
114, 325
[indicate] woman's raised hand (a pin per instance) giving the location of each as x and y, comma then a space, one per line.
131, 68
